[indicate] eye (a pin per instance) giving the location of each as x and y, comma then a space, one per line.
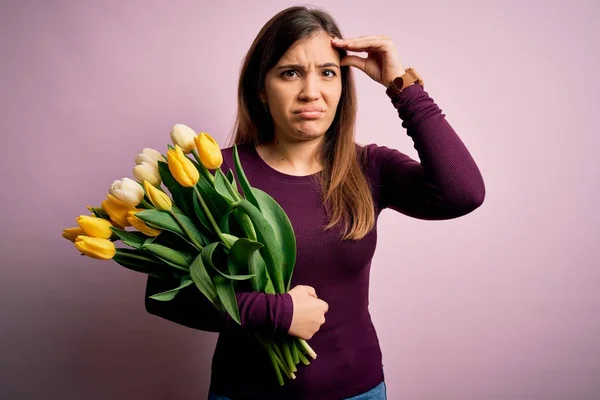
285, 72
332, 73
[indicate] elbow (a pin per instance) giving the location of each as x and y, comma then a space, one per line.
150, 306
471, 201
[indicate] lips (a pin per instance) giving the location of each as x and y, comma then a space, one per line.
309, 109
309, 112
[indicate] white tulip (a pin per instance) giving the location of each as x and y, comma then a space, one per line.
183, 136
147, 172
150, 156
128, 191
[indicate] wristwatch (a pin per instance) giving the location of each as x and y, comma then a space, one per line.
400, 83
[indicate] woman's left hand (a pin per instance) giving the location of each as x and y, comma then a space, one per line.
383, 62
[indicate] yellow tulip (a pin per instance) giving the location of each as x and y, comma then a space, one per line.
102, 249
208, 150
141, 225
72, 233
159, 199
95, 227
116, 210
182, 168
183, 136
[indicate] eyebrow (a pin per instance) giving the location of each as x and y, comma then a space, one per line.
298, 66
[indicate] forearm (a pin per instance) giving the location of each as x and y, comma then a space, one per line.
259, 312
447, 182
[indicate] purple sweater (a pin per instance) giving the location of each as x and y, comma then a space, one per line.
445, 184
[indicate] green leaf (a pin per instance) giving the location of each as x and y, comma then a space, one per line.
214, 202
272, 252
202, 217
231, 179
181, 196
246, 188
99, 212
283, 230
244, 258
207, 259
227, 296
164, 220
172, 257
173, 241
230, 239
170, 294
203, 282
245, 224
224, 225
221, 186
141, 261
133, 239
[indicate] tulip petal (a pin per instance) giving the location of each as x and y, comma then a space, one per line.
183, 136
94, 226
208, 151
102, 249
182, 168
72, 233
158, 198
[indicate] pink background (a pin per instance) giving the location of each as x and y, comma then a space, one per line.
501, 304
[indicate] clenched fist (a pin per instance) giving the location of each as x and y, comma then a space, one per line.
309, 312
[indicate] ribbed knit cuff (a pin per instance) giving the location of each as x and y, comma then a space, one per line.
283, 322
260, 312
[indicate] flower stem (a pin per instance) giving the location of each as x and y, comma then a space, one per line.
233, 192
187, 232
288, 355
302, 357
274, 360
279, 358
294, 349
307, 349
211, 219
147, 205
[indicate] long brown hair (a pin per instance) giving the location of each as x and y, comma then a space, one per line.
346, 192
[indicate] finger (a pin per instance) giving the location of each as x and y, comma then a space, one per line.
366, 44
355, 38
311, 291
355, 61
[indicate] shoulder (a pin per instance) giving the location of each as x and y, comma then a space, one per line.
243, 152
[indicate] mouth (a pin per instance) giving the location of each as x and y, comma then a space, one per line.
309, 112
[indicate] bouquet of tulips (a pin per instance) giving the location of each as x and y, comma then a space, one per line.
205, 233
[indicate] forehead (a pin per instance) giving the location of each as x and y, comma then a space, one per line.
316, 48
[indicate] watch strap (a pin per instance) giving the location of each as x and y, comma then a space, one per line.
402, 82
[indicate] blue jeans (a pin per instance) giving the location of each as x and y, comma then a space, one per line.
377, 393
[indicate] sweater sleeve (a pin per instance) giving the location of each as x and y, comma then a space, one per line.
269, 314
446, 183
260, 312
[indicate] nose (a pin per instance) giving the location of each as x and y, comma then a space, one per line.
310, 88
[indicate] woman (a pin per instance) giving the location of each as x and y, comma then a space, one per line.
295, 137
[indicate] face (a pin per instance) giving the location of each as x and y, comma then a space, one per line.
303, 89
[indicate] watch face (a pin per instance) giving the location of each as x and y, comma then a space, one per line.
398, 82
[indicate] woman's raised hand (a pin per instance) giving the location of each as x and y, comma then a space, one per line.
383, 62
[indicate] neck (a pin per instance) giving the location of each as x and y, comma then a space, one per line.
293, 157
